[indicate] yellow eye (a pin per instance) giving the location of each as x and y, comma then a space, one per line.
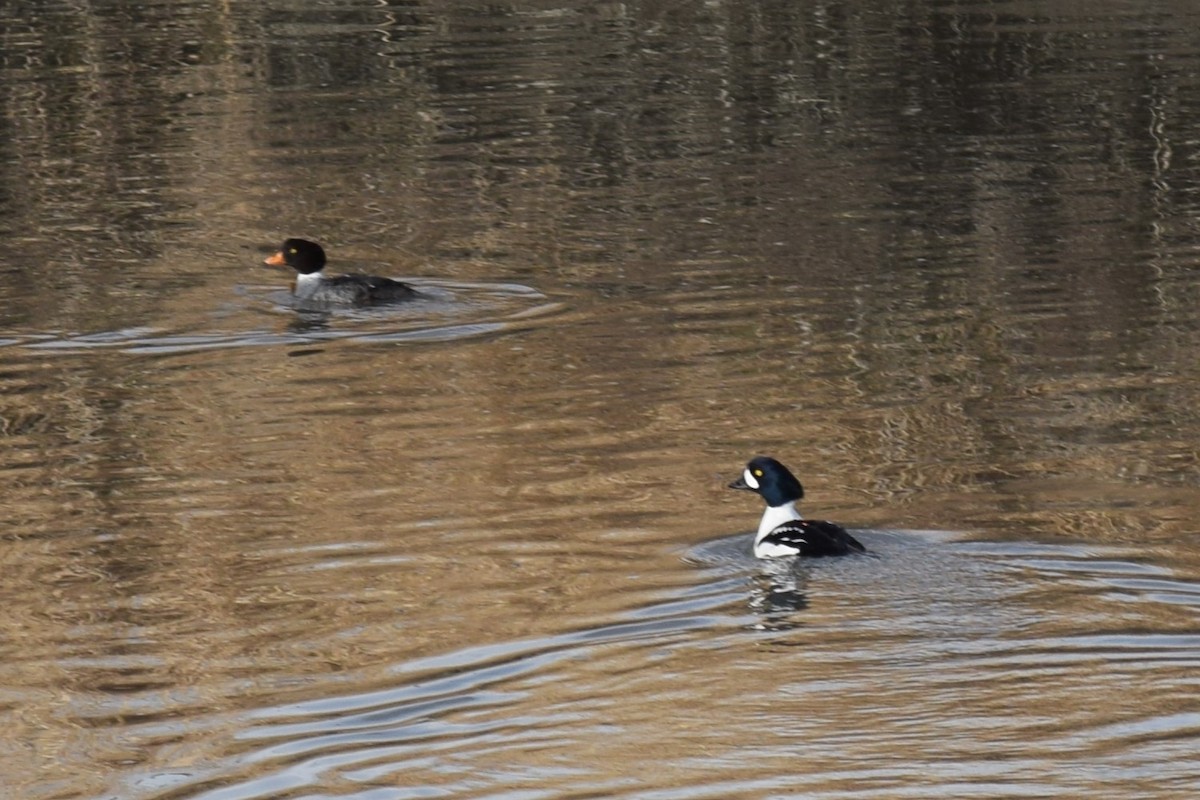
292, 250
758, 473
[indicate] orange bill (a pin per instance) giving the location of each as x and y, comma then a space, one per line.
276, 260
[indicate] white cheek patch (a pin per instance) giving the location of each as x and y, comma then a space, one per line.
749, 478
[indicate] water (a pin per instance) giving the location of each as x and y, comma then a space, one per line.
940, 258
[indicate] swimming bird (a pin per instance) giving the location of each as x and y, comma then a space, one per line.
310, 286
782, 531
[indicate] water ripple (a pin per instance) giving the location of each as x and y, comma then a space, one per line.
455, 311
459, 705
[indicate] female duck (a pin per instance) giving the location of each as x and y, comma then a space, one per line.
310, 286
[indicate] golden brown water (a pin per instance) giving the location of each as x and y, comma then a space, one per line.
938, 258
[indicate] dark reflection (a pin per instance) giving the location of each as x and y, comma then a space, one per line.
308, 321
779, 590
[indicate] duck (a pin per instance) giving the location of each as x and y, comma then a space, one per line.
310, 286
782, 531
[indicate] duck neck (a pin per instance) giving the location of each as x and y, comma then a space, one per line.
775, 516
305, 285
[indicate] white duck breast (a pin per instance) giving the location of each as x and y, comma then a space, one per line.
775, 516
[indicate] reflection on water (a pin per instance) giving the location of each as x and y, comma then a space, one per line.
984, 675
940, 257
467, 311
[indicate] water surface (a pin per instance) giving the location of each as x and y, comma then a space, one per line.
938, 257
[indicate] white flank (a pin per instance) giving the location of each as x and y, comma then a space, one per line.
774, 550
